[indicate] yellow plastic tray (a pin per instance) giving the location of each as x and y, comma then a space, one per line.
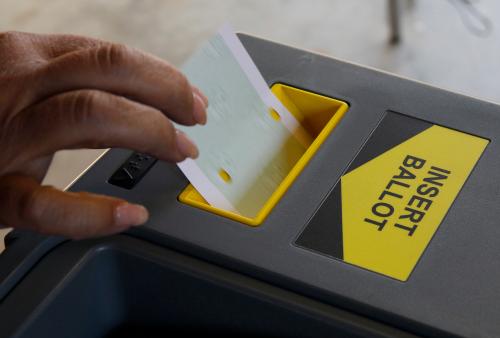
318, 114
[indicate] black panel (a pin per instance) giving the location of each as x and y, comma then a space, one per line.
324, 231
394, 129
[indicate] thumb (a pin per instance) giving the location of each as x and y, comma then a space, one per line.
24, 203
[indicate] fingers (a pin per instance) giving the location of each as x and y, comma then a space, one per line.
198, 92
37, 168
46, 46
26, 204
126, 72
51, 46
96, 119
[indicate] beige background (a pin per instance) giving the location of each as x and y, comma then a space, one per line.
437, 48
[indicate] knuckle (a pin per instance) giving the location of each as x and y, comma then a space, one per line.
18, 57
84, 110
82, 106
76, 111
111, 55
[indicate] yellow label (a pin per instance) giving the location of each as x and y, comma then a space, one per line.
393, 204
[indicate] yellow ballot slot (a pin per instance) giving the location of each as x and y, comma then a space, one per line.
318, 114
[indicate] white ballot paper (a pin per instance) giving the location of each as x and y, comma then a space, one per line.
244, 152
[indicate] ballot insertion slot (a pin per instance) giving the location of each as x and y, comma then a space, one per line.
318, 114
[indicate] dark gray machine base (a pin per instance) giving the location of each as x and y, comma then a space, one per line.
124, 287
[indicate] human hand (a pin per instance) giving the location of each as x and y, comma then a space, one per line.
68, 92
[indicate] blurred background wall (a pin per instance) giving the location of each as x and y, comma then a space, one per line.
446, 43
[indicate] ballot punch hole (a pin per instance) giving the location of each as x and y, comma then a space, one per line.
224, 175
274, 114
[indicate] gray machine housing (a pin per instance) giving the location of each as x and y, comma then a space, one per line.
454, 289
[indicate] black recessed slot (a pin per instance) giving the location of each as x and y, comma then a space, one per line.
132, 170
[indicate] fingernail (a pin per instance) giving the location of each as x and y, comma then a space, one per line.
200, 112
127, 214
186, 147
198, 92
